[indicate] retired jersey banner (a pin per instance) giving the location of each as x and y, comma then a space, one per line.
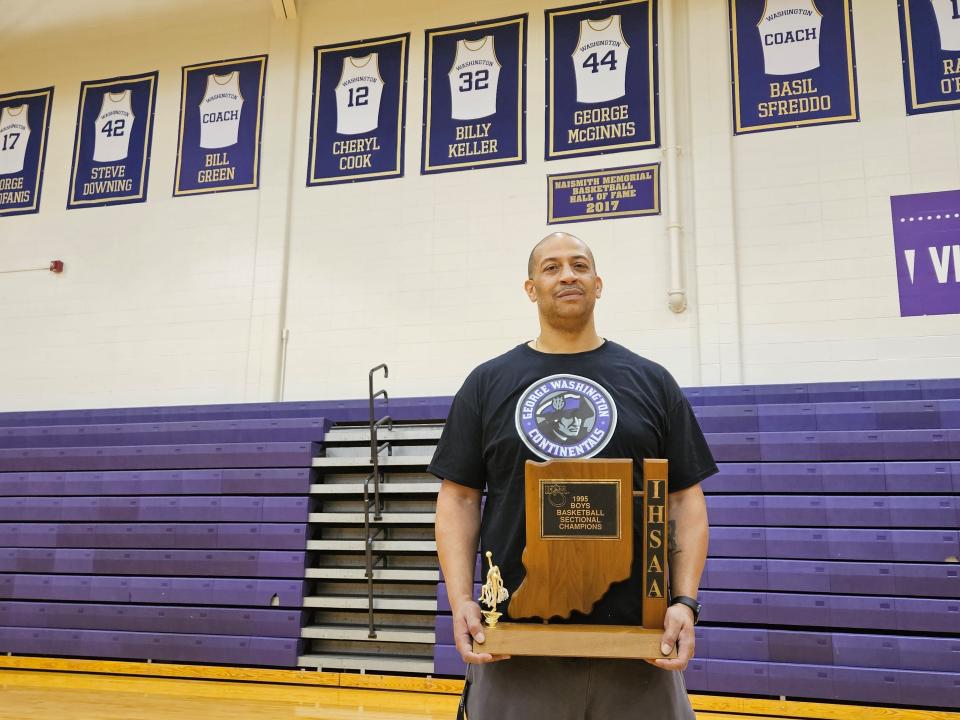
620, 192
792, 64
221, 113
24, 123
111, 147
925, 231
602, 78
359, 110
930, 45
474, 104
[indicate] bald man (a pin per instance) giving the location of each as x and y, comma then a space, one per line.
567, 393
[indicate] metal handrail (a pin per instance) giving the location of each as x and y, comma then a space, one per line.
375, 449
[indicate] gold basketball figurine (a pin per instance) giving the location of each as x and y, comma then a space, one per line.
492, 592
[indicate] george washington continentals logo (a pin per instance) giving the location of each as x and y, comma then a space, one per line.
566, 416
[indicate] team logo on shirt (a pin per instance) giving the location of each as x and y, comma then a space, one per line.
566, 416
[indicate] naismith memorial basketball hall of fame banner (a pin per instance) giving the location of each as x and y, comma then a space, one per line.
24, 122
221, 113
474, 104
111, 147
359, 110
930, 44
601, 78
792, 63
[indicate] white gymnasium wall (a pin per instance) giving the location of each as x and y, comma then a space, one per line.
788, 260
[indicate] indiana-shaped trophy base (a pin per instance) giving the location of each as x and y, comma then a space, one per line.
619, 642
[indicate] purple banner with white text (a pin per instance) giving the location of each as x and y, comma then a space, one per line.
926, 236
619, 192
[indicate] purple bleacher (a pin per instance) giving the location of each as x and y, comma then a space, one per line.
927, 615
734, 447
791, 477
794, 510
152, 618
447, 661
783, 418
443, 630
734, 644
207, 648
738, 677
862, 578
160, 457
170, 433
853, 477
797, 576
738, 542
727, 419
723, 573
927, 580
861, 650
918, 477
788, 646
875, 685
733, 607
920, 688
846, 416
274, 481
400, 409
735, 510
218, 563
735, 477
928, 653
801, 680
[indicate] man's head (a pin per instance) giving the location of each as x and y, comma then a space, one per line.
562, 280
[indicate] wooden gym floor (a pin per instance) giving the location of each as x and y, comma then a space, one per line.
31, 694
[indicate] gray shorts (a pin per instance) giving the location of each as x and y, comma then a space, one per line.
530, 688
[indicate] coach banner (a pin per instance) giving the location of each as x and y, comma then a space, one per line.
601, 194
474, 103
359, 110
111, 146
925, 231
602, 78
24, 123
221, 111
792, 63
930, 45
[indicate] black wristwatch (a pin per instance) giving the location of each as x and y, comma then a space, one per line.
690, 603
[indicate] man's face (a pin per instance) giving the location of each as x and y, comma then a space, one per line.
564, 285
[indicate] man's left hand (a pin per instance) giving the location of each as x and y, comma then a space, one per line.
677, 631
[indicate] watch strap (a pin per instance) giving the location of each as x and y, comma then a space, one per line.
690, 603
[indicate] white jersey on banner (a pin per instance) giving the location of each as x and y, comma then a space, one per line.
600, 60
473, 79
113, 125
790, 36
358, 95
220, 111
14, 134
948, 21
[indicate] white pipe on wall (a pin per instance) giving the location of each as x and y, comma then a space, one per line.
676, 294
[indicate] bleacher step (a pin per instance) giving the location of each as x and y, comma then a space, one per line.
345, 573
360, 632
364, 461
359, 602
376, 663
378, 545
362, 434
386, 488
354, 518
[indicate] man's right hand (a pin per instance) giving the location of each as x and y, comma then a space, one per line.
467, 626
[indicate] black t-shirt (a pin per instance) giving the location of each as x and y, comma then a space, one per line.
528, 405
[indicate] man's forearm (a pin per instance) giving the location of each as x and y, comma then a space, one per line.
687, 534
457, 533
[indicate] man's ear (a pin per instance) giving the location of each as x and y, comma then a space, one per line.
599, 286
530, 289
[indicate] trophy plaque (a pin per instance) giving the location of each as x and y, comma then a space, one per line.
579, 523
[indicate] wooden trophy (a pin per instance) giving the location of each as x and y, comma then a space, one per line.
579, 542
